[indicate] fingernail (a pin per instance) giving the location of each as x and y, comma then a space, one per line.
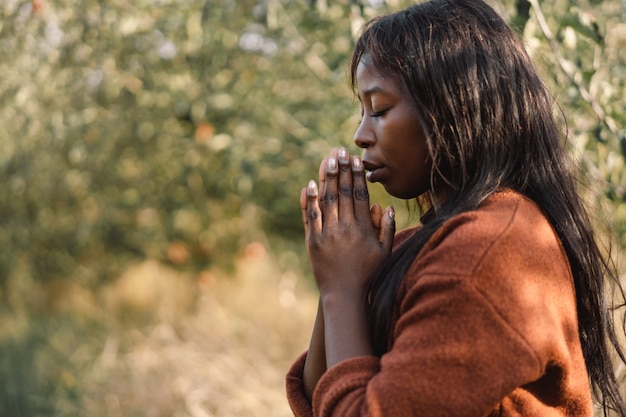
332, 163
312, 187
342, 153
356, 162
392, 213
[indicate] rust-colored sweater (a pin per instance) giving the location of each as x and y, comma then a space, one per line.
487, 326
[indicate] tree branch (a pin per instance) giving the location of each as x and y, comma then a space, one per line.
568, 70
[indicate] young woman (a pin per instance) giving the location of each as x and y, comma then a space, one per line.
495, 305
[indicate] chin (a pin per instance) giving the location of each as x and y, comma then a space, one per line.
404, 194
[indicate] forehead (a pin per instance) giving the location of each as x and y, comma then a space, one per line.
371, 81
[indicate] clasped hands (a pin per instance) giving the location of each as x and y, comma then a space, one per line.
347, 241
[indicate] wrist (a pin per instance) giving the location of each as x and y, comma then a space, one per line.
343, 300
345, 323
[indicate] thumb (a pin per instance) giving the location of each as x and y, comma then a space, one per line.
387, 229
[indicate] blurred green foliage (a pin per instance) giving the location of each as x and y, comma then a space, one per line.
180, 130
40, 374
177, 132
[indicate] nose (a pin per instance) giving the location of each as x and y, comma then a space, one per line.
364, 136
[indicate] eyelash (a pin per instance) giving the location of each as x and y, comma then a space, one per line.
375, 114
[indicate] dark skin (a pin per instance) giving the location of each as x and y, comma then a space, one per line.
347, 242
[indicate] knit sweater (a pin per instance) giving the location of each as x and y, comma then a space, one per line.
486, 325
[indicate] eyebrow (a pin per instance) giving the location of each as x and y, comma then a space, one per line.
371, 91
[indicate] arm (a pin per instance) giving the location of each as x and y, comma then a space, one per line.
346, 330
346, 243
315, 364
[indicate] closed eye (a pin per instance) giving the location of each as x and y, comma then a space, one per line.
378, 113
373, 114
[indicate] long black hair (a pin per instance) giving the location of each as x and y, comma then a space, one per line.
490, 125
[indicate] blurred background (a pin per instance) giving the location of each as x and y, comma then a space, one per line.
151, 158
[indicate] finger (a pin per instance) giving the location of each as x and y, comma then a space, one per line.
322, 178
329, 195
312, 210
303, 209
361, 195
387, 229
344, 186
376, 214
322, 174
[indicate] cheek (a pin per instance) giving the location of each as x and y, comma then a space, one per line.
419, 160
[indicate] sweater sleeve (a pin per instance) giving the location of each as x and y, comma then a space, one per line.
298, 401
453, 356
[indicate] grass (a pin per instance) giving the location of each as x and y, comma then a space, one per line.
158, 343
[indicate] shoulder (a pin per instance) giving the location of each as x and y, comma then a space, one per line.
507, 231
508, 255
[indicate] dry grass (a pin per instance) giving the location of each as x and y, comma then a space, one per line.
159, 343
225, 357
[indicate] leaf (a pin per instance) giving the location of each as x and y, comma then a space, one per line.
585, 24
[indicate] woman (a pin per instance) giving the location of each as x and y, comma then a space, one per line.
494, 306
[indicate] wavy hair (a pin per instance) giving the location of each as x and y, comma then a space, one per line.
490, 125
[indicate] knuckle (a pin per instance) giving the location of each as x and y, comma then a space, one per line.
361, 194
330, 198
317, 245
358, 173
345, 190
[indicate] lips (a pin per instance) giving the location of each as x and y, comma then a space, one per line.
375, 171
